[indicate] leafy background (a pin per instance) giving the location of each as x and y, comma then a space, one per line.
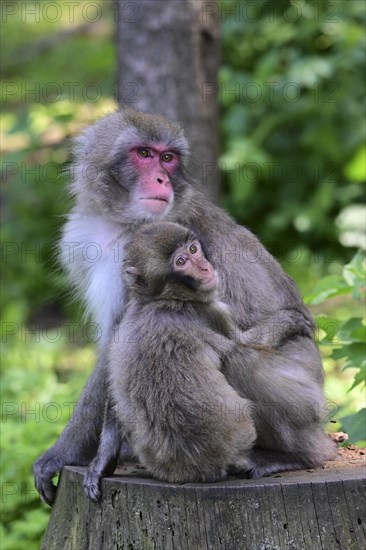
293, 170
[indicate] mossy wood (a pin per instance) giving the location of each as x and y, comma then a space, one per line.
307, 510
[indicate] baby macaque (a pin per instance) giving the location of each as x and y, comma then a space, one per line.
166, 393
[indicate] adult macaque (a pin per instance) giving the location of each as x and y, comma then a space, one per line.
168, 397
131, 167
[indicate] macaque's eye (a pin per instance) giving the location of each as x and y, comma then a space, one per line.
166, 157
144, 153
193, 249
180, 261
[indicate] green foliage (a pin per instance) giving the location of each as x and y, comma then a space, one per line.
291, 93
347, 339
351, 280
52, 94
34, 203
39, 391
42, 371
354, 426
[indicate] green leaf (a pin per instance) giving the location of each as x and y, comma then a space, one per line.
353, 330
355, 170
331, 328
360, 378
355, 426
327, 288
354, 273
355, 354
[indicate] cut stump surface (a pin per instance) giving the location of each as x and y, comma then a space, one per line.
305, 510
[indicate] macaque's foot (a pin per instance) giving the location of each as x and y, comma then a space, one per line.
256, 473
44, 469
92, 482
273, 468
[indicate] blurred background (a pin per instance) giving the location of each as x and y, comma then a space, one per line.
292, 168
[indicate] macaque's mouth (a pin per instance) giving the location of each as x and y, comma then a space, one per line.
161, 199
155, 205
209, 284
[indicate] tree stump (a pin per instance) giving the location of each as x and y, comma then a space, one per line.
319, 509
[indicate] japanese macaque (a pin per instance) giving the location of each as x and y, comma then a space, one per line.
182, 419
130, 168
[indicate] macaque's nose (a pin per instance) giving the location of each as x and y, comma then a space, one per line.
162, 179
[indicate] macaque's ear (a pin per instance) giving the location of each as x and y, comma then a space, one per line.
132, 273
132, 270
134, 278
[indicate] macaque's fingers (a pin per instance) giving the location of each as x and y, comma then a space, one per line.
47, 491
302, 325
92, 482
274, 467
278, 328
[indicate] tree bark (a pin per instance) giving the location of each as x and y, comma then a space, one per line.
168, 58
315, 510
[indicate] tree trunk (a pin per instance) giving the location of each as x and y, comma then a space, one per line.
307, 510
168, 58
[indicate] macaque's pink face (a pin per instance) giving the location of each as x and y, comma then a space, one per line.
156, 165
191, 261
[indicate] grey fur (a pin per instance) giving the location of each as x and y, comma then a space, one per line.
263, 300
